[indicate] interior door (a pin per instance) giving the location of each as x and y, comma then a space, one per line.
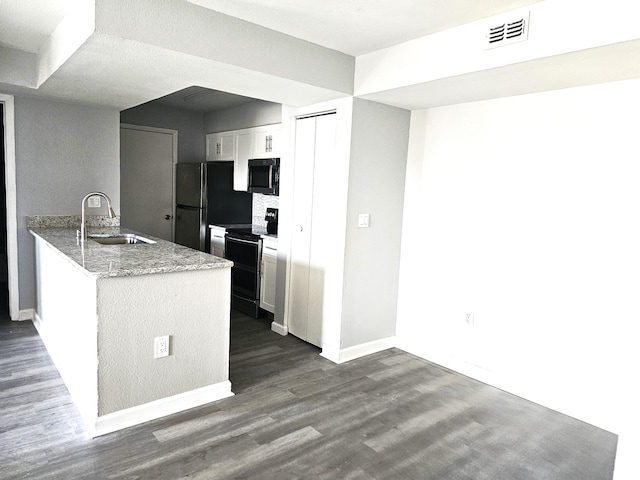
147, 158
312, 225
301, 235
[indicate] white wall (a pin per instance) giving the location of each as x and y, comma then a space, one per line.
525, 211
377, 165
63, 151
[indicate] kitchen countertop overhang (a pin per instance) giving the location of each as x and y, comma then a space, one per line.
99, 260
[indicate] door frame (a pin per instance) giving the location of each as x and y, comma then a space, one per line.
12, 212
174, 134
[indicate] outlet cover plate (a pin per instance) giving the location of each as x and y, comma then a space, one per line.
161, 346
468, 319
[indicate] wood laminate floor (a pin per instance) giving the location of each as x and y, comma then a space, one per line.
296, 415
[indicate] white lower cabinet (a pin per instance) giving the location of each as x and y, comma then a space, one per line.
268, 270
217, 240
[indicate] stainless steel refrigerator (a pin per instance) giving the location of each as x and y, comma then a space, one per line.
204, 196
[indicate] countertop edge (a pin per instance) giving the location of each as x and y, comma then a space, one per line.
100, 261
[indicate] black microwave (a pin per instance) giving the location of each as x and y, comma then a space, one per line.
264, 176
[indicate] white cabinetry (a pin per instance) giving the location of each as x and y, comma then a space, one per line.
220, 146
243, 152
266, 142
268, 270
217, 240
241, 145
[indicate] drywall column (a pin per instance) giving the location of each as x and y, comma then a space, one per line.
379, 142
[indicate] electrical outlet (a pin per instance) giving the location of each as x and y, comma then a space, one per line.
468, 319
94, 202
161, 346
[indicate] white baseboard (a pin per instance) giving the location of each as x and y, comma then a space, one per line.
159, 408
280, 329
26, 314
351, 353
511, 385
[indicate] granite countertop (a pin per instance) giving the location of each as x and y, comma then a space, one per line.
125, 260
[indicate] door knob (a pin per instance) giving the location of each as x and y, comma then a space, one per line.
168, 217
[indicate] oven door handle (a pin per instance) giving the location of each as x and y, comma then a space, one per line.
242, 240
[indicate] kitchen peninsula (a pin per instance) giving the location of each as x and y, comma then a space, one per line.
101, 307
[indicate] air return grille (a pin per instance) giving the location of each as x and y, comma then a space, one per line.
507, 32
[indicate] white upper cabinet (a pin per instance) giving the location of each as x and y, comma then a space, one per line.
244, 149
220, 146
266, 141
241, 145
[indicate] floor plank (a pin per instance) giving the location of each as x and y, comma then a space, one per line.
295, 414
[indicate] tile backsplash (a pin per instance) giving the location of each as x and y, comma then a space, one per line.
260, 204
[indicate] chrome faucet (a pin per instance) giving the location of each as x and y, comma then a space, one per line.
112, 214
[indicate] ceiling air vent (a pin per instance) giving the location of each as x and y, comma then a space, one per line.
507, 31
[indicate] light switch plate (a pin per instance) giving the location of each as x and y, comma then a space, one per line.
363, 220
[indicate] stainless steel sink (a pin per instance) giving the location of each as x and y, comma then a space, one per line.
124, 239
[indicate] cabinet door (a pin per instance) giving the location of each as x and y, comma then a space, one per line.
266, 142
217, 241
220, 146
268, 279
244, 147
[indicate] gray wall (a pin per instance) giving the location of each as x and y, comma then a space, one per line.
379, 143
63, 151
191, 142
252, 114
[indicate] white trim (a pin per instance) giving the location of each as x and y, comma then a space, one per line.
508, 384
11, 199
159, 408
343, 355
28, 314
174, 134
279, 329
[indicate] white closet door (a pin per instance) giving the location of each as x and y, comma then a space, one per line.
301, 235
312, 225
322, 226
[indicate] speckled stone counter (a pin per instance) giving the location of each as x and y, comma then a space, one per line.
125, 260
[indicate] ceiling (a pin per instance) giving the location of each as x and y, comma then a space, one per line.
357, 27
26, 24
123, 53
353, 27
200, 99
